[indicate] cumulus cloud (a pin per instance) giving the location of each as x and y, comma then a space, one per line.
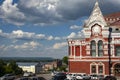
50, 38
51, 11
27, 45
75, 27
10, 13
59, 45
79, 34
72, 35
21, 35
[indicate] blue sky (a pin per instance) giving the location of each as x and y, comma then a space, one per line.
40, 28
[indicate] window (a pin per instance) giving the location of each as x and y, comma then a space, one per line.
93, 69
100, 48
117, 69
93, 48
100, 68
77, 49
117, 50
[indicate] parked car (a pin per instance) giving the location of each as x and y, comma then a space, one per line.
59, 76
110, 78
25, 78
94, 76
8, 77
27, 74
86, 77
53, 73
34, 78
79, 76
71, 76
100, 77
37, 78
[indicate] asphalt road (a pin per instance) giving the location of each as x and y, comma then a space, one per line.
42, 77
46, 76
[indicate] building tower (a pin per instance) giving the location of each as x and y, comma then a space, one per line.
90, 54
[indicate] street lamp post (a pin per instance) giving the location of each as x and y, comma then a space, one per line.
109, 50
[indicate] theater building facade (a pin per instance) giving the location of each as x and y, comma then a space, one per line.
99, 49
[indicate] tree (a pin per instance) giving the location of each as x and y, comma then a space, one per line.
10, 67
65, 60
14, 68
2, 68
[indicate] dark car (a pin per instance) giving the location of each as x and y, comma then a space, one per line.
8, 77
59, 76
25, 78
110, 78
37, 78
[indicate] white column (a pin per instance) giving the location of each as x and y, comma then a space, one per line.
70, 50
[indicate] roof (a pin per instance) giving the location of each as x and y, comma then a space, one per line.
113, 19
27, 64
113, 15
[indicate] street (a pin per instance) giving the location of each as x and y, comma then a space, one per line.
46, 76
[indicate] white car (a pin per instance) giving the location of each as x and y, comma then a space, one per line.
94, 76
26, 74
69, 76
79, 76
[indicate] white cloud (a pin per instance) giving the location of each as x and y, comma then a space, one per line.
72, 35
27, 45
50, 38
21, 35
57, 38
59, 45
79, 34
50, 11
75, 27
40, 36
0, 31
10, 13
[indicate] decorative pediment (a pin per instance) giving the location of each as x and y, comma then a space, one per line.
96, 17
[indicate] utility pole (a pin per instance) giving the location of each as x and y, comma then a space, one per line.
109, 49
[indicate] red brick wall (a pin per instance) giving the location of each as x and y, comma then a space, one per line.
83, 50
79, 67
84, 67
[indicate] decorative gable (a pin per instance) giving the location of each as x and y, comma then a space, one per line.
96, 17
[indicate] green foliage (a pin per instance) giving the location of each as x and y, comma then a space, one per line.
65, 60
63, 68
10, 67
2, 68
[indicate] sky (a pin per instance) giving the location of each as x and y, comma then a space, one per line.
40, 28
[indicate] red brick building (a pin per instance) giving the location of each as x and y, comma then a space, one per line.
90, 54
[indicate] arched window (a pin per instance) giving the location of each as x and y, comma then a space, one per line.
100, 48
93, 48
93, 68
100, 68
